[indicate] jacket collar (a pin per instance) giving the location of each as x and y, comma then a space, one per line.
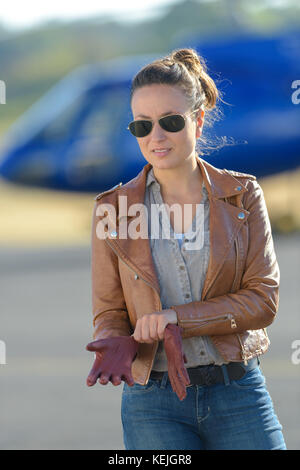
219, 183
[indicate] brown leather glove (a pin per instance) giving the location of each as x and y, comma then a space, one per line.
113, 360
177, 372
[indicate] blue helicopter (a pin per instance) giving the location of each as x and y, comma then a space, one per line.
75, 138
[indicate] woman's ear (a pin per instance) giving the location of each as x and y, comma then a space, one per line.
200, 118
200, 122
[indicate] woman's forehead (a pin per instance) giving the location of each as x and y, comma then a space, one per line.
158, 100
159, 90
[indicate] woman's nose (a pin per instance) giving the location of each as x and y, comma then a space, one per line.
157, 131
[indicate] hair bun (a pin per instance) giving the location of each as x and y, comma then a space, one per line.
189, 58
196, 66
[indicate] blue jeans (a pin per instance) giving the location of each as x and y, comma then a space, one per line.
236, 415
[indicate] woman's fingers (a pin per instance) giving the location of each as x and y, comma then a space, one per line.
141, 332
91, 380
95, 371
128, 379
153, 329
104, 379
150, 328
115, 380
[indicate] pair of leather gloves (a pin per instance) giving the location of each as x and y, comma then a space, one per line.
114, 356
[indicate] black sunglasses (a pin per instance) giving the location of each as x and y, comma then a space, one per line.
170, 123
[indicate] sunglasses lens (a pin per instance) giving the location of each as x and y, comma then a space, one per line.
174, 123
140, 128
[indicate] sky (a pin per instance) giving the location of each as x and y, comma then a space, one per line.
22, 15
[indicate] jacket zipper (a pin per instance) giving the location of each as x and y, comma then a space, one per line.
236, 263
228, 316
243, 352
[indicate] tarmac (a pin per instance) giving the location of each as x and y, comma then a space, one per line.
46, 321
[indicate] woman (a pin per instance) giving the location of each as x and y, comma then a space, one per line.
180, 304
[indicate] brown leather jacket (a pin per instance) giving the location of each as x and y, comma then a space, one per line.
241, 291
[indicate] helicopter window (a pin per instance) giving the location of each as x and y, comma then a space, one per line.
59, 129
104, 114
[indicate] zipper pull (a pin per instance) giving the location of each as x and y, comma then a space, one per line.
233, 323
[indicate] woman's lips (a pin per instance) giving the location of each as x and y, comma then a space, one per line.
161, 153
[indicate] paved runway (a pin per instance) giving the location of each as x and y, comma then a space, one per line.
46, 322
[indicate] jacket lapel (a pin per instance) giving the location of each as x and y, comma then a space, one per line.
224, 225
135, 252
225, 222
226, 219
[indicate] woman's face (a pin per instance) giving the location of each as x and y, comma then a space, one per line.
153, 102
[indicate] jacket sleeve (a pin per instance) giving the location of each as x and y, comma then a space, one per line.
255, 304
110, 316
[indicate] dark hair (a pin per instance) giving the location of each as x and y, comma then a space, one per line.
186, 69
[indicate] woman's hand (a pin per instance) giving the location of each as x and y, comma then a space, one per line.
151, 327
